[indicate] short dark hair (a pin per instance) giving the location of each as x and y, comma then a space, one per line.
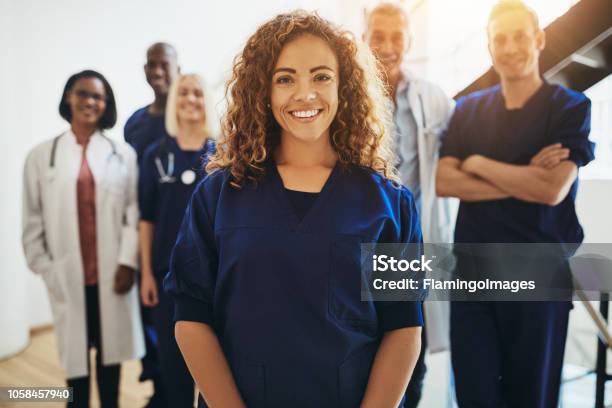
506, 6
166, 47
109, 117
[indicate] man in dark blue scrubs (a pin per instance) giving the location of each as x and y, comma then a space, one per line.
511, 154
146, 125
142, 129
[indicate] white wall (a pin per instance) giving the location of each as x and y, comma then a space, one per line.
13, 314
592, 206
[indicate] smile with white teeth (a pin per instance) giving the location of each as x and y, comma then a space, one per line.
305, 114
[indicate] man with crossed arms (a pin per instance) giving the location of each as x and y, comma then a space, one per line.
511, 155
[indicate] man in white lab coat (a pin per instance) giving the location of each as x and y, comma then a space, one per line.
422, 112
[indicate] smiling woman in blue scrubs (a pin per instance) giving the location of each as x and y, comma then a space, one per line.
266, 269
169, 172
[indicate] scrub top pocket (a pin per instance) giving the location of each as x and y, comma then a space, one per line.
346, 285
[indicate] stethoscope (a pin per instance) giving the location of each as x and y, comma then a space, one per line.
114, 151
167, 175
423, 118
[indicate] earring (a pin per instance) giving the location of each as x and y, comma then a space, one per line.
268, 105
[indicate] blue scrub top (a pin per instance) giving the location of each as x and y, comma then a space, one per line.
481, 124
163, 203
143, 129
283, 294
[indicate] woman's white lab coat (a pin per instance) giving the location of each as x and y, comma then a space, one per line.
52, 248
432, 111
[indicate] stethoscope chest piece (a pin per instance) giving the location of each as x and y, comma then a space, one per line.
188, 177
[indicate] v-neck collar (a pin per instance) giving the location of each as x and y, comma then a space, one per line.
194, 157
294, 222
205, 148
527, 106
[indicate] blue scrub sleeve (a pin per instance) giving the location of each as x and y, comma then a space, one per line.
127, 130
572, 130
398, 315
452, 143
147, 187
193, 264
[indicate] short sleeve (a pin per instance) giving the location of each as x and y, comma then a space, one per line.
127, 129
452, 143
193, 264
148, 187
572, 130
393, 315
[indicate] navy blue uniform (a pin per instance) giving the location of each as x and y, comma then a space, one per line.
143, 129
282, 292
520, 342
163, 198
163, 201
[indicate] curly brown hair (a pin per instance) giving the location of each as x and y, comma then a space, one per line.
360, 129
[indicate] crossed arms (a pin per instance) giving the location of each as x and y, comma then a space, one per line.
546, 180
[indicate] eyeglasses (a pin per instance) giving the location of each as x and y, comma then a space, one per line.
83, 94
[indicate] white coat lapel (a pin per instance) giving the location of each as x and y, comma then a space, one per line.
417, 104
96, 153
68, 155
62, 168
